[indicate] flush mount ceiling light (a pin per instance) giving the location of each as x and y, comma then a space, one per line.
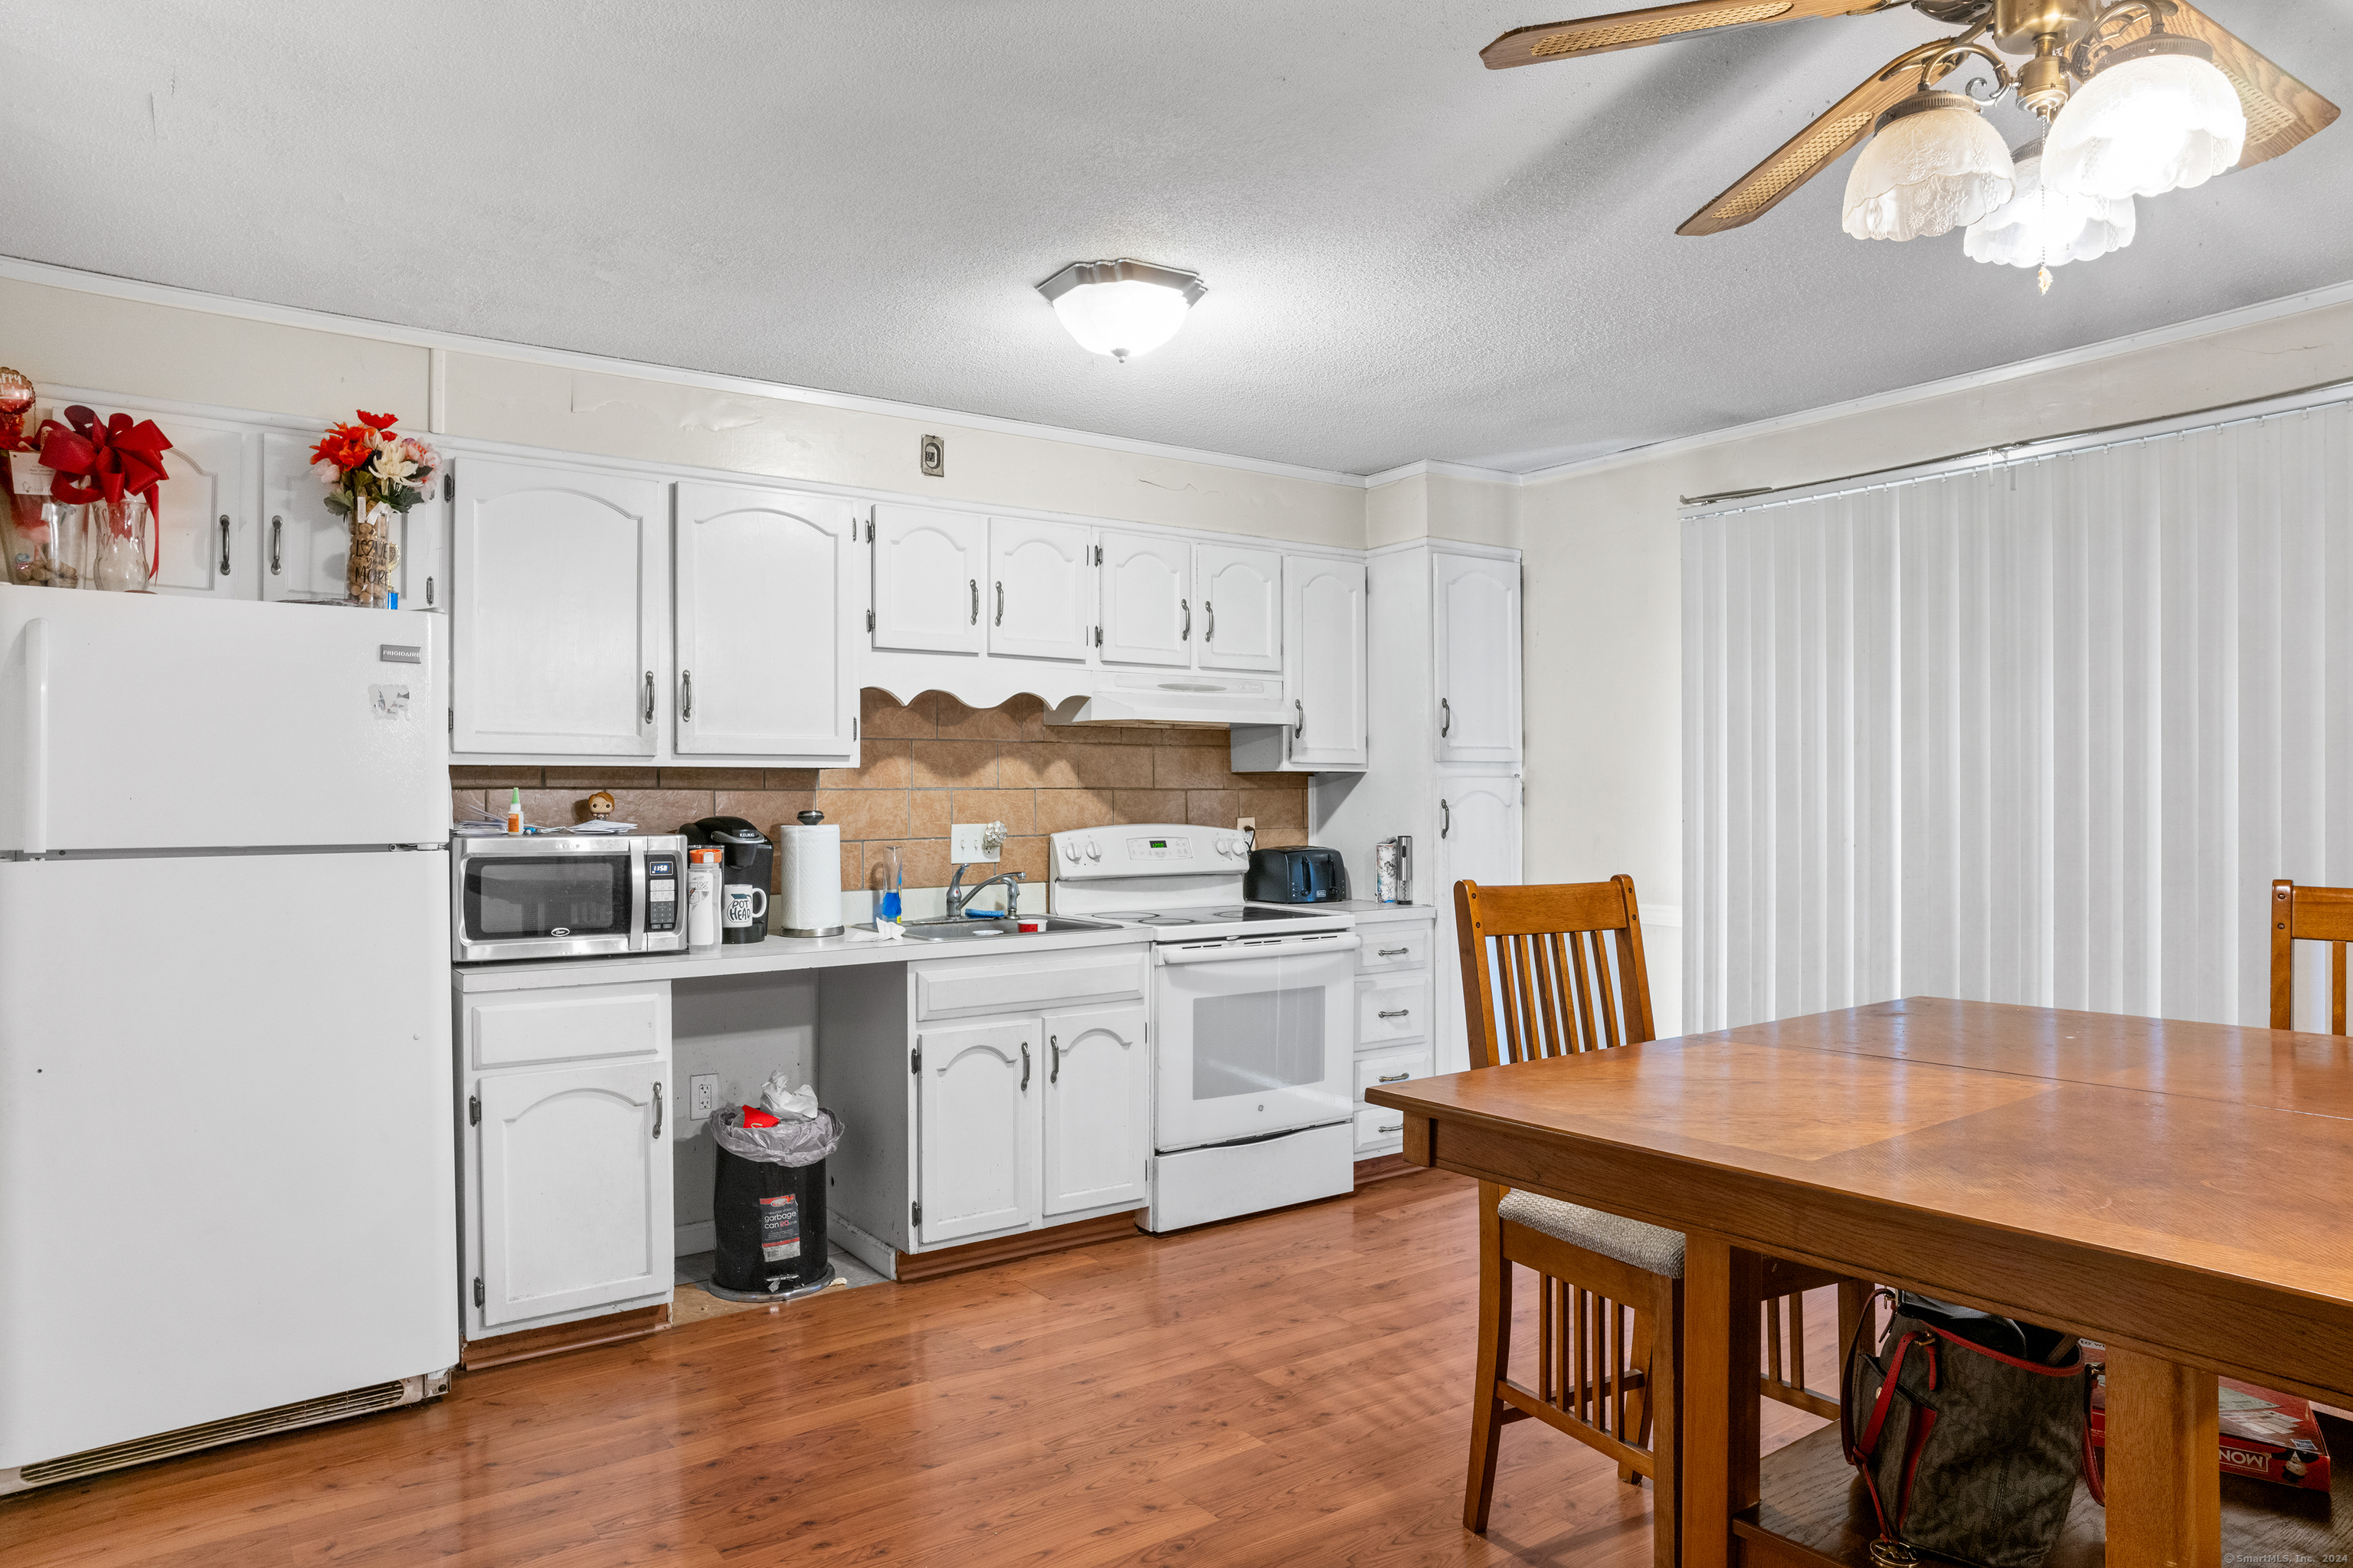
2042, 229
2141, 96
1122, 308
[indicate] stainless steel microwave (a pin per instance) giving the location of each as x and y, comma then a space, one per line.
566, 895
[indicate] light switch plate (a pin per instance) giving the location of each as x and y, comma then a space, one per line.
702, 1094
969, 843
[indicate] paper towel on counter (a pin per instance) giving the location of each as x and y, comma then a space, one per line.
812, 881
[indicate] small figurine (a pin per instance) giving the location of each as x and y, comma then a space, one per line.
600, 805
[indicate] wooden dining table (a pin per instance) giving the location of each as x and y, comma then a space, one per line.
2180, 1192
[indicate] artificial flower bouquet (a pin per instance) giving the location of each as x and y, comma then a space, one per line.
370, 471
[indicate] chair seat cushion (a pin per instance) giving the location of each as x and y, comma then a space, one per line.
1628, 1241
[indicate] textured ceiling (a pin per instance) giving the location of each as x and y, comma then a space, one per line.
1410, 256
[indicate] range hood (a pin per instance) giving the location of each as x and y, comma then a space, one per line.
1176, 696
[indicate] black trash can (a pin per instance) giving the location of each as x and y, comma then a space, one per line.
767, 1204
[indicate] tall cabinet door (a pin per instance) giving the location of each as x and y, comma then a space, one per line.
1241, 607
556, 645
1324, 624
762, 638
575, 1189
1476, 609
927, 579
1040, 589
1479, 841
1147, 599
1098, 1109
976, 1118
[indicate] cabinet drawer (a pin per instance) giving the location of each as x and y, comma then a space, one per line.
1398, 1010
1390, 1068
526, 1028
1404, 944
960, 986
1376, 1126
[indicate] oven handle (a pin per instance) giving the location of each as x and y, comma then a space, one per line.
1243, 952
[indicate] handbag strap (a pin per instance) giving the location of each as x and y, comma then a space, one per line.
1889, 1549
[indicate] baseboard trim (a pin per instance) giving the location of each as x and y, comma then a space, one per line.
919, 1266
528, 1343
1384, 1167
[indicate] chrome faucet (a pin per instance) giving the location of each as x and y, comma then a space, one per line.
959, 894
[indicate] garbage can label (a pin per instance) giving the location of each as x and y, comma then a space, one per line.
780, 1228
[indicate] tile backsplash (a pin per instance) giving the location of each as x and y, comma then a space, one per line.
933, 762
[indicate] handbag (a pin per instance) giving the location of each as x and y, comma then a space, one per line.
1969, 1431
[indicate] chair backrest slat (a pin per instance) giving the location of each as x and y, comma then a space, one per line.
1536, 969
2308, 914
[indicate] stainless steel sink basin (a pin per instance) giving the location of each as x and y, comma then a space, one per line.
995, 930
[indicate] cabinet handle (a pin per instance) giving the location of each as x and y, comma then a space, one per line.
686, 697
1000, 604
1400, 1013
1445, 716
657, 1113
1393, 1078
224, 528
1397, 1128
275, 524
1210, 610
1392, 952
1025, 1067
1445, 819
973, 584
1187, 606
1298, 729
650, 696
1054, 1073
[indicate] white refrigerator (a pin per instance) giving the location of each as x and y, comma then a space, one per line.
226, 1190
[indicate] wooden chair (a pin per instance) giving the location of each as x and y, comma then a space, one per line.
1536, 982
2308, 914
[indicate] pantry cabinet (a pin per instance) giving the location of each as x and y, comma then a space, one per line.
1041, 590
1241, 607
761, 631
1147, 599
558, 610
928, 566
1475, 607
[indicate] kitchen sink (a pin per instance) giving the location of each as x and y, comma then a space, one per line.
985, 930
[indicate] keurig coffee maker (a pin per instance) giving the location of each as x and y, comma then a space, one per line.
747, 869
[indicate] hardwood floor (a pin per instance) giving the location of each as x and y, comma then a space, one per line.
1288, 1389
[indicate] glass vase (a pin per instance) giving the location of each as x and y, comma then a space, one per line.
121, 540
368, 578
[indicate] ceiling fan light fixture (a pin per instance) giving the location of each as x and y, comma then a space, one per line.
2157, 116
1122, 308
2039, 227
1932, 165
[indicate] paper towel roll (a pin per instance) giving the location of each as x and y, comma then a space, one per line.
812, 878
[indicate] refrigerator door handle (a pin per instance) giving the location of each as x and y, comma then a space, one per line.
35, 749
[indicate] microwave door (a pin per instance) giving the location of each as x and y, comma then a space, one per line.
548, 906
1252, 1046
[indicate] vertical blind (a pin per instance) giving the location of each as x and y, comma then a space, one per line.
2041, 731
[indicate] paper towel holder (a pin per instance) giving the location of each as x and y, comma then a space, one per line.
811, 895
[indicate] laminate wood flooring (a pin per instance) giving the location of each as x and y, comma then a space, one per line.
1292, 1388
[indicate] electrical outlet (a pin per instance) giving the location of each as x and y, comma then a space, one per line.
1246, 824
971, 842
932, 456
702, 1094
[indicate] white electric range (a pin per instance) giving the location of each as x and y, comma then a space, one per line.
1252, 1019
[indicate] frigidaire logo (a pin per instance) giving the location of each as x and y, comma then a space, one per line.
561, 931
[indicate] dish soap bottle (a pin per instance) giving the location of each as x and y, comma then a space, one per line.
887, 908
514, 811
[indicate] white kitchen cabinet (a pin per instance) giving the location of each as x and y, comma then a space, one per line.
1147, 599
558, 608
1475, 618
762, 627
1478, 841
204, 544
1041, 590
928, 567
1241, 592
305, 547
1098, 1109
576, 1190
977, 1116
1325, 680
1393, 1018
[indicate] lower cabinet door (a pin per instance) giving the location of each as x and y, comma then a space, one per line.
1098, 1109
976, 1114
575, 1189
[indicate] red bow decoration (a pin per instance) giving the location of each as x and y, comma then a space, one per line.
114, 459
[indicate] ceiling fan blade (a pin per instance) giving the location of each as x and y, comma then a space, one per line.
1632, 29
2281, 111
1806, 155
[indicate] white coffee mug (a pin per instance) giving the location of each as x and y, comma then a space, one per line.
739, 909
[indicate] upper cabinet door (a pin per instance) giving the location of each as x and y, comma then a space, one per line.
1241, 607
204, 518
976, 1121
927, 579
559, 594
1098, 1109
763, 639
1039, 590
1324, 619
305, 547
1147, 599
1476, 608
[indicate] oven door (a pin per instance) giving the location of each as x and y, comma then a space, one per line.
1252, 1037
526, 899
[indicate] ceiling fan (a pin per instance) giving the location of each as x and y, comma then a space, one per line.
2139, 96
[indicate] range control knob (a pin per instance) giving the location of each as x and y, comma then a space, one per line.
1095, 850
1070, 851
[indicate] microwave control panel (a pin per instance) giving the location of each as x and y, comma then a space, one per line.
661, 892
